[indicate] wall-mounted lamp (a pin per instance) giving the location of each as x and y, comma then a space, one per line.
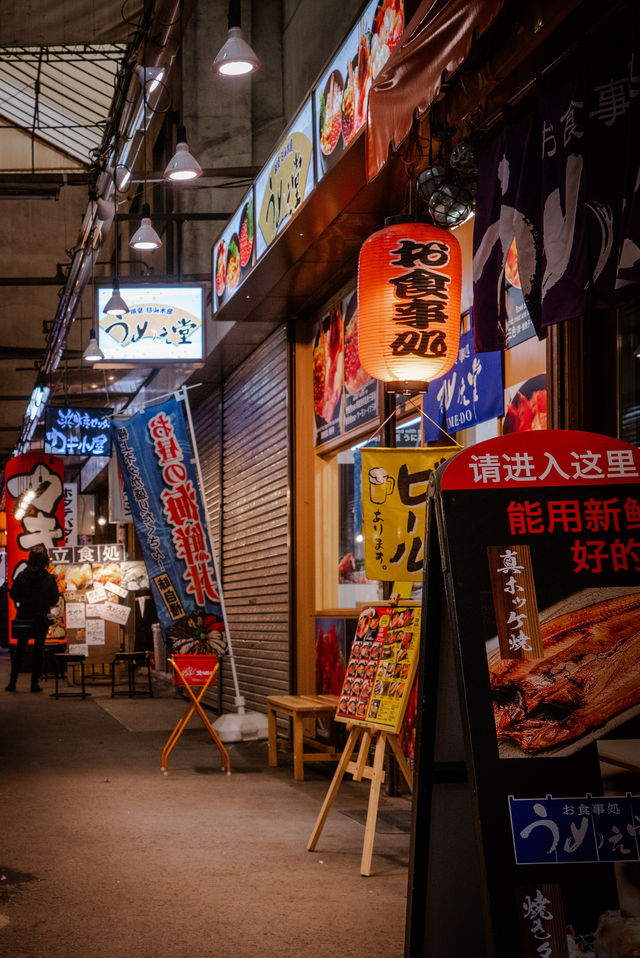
236, 56
182, 165
93, 353
145, 237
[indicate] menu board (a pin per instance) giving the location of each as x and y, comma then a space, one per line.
539, 542
342, 95
344, 395
286, 180
381, 668
234, 254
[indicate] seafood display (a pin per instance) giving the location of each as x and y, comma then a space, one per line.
587, 677
342, 101
331, 113
234, 252
328, 358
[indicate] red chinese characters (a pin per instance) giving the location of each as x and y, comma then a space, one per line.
180, 507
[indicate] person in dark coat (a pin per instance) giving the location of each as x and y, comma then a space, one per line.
34, 591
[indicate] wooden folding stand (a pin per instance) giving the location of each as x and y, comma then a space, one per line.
194, 671
361, 769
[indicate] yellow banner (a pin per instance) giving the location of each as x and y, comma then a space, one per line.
394, 496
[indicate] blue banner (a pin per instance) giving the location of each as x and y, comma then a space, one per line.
470, 393
156, 461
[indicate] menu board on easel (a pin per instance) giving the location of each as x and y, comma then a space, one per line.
381, 668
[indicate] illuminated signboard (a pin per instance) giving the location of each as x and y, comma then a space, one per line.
234, 254
286, 180
342, 95
164, 324
77, 432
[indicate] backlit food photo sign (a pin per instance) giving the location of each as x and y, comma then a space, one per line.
77, 432
234, 253
286, 180
163, 324
342, 95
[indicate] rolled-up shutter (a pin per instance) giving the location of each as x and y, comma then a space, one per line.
243, 442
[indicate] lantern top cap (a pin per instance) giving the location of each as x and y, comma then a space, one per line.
400, 218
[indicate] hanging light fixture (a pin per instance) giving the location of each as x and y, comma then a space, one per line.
409, 285
236, 56
182, 165
93, 353
145, 237
116, 305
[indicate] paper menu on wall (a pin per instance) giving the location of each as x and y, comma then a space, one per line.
113, 612
97, 594
95, 632
75, 614
116, 589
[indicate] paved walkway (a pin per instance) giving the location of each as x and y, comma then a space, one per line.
102, 856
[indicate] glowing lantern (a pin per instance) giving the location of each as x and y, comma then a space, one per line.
409, 279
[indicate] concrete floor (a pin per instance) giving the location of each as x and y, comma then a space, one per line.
102, 855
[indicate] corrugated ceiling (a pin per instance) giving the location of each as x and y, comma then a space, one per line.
60, 94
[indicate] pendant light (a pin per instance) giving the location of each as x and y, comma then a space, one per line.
116, 305
145, 237
182, 165
93, 353
236, 56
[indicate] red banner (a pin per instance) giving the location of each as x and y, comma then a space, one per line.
35, 481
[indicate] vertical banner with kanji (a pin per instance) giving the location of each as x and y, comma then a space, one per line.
40, 478
156, 460
394, 494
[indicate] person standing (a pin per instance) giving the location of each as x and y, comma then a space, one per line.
34, 591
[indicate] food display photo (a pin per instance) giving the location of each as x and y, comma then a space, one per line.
328, 373
233, 255
360, 390
585, 685
342, 95
525, 405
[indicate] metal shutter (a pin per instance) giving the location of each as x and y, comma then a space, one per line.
243, 444
255, 520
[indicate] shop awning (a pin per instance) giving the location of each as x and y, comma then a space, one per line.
437, 39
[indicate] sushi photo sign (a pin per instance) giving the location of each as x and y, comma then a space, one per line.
533, 543
234, 254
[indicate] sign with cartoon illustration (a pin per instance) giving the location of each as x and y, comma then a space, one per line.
394, 495
381, 667
164, 324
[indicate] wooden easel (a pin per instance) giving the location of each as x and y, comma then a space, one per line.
361, 769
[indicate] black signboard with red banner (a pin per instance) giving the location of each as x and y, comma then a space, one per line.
529, 742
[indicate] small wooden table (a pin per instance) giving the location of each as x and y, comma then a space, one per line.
300, 708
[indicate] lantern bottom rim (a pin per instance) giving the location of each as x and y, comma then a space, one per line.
407, 386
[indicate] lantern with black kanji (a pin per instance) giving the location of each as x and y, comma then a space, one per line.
409, 280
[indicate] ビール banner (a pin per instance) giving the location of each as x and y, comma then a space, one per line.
394, 495
156, 460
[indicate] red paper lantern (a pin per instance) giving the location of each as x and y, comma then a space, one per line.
409, 280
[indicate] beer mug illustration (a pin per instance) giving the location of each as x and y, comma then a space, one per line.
381, 485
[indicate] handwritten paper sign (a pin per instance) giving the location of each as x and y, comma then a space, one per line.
95, 632
97, 594
75, 612
113, 612
116, 589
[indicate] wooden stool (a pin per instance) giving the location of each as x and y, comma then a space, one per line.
298, 708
